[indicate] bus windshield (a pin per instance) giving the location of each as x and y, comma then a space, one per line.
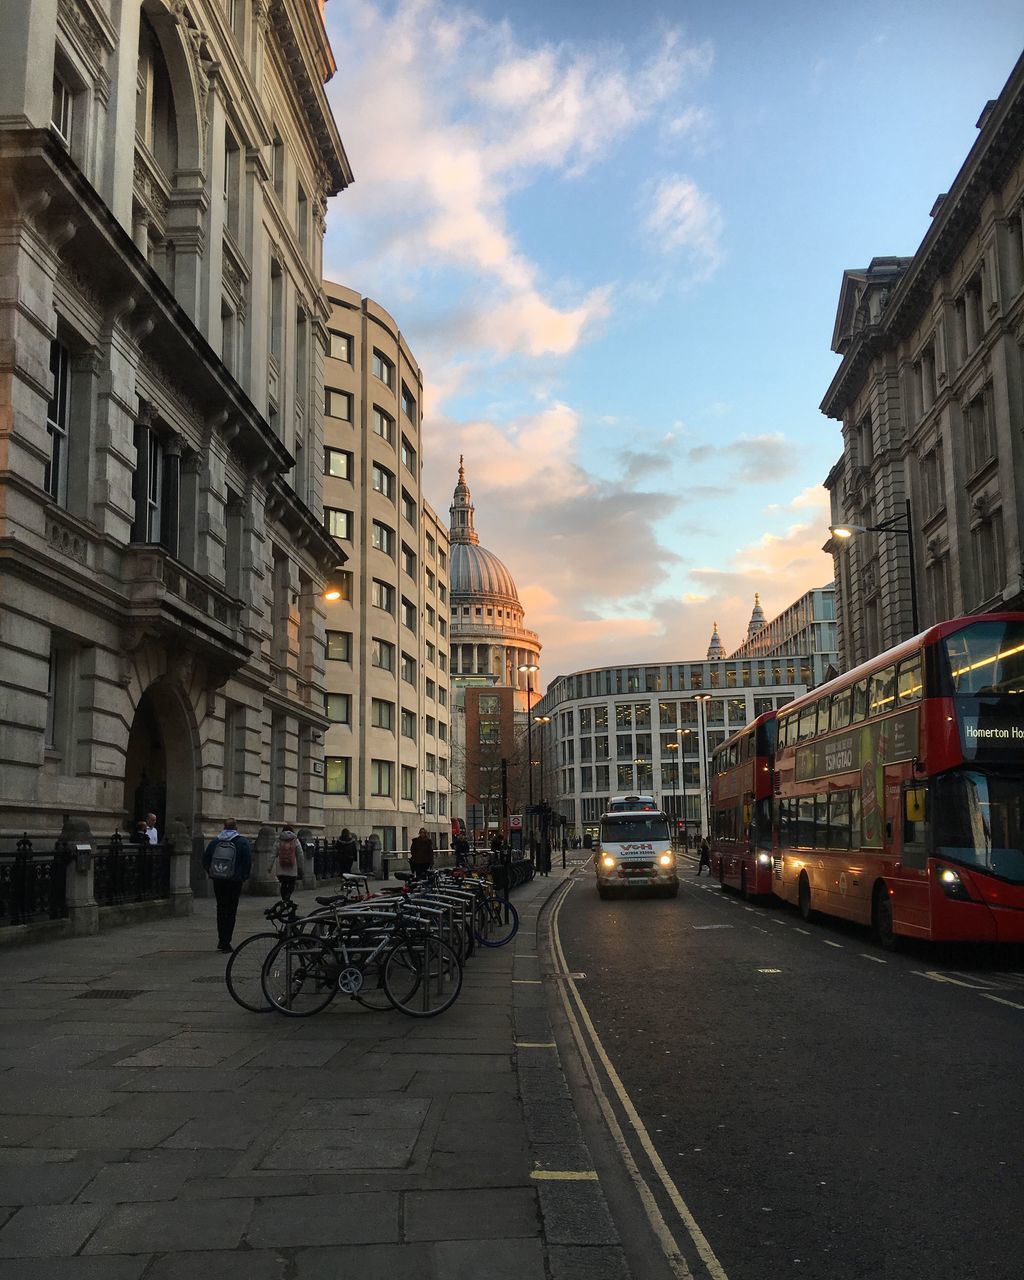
633, 827
987, 659
979, 820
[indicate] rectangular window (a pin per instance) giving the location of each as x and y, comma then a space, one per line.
338, 522
338, 463
383, 480
337, 404
442, 731
337, 770
57, 417
408, 455
442, 559
429, 687
933, 483
908, 681
430, 724
383, 538
408, 614
408, 403
408, 783
339, 646
430, 762
408, 506
430, 652
979, 431
409, 560
429, 802
383, 368
341, 346
990, 557
882, 696
339, 707
381, 780
234, 749
442, 626
442, 696
408, 668
431, 546
409, 725
382, 654
384, 425
442, 805
382, 714
382, 596
62, 110
155, 490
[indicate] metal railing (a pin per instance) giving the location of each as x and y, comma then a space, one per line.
33, 885
125, 872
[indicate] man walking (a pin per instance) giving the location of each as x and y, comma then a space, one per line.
421, 854
228, 862
705, 856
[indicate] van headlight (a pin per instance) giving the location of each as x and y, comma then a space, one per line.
608, 861
764, 858
952, 885
665, 860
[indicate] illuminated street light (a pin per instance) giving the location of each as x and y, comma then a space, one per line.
895, 524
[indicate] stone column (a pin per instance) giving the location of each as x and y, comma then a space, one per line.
262, 882
179, 848
76, 838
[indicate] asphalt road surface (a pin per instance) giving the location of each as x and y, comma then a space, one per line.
826, 1109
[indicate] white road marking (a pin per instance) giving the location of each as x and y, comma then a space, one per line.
805, 932
987, 995
866, 955
782, 922
674, 1257
832, 944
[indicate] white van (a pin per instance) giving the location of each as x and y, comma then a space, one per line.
635, 848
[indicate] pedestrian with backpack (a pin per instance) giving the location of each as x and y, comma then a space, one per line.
288, 863
228, 862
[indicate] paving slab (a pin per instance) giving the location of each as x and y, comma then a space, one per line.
471, 1215
75, 1268
170, 1226
48, 1231
300, 1221
371, 1262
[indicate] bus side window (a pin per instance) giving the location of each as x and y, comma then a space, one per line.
915, 827
860, 700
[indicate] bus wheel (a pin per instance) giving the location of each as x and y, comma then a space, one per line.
881, 919
803, 893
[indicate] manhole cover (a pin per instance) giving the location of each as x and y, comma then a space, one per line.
109, 995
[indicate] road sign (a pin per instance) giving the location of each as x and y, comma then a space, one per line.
515, 822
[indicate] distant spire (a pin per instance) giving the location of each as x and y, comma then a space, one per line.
757, 618
715, 649
461, 510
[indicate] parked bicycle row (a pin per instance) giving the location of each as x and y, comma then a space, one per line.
394, 949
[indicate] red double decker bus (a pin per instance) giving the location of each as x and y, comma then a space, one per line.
900, 788
741, 807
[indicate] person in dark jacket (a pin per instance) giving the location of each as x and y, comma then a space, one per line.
421, 854
227, 892
348, 850
704, 850
460, 847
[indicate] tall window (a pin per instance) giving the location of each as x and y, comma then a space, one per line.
277, 163
382, 596
57, 412
383, 480
408, 506
408, 614
409, 668
302, 217
979, 431
155, 489
990, 557
337, 404
62, 110
339, 646
383, 654
408, 403
232, 183
383, 538
276, 308
409, 725
381, 780
408, 783
337, 772
382, 714
384, 425
933, 484
338, 463
383, 368
408, 454
60, 702
339, 707
340, 346
409, 560
338, 522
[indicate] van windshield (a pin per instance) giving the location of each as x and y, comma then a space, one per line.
632, 827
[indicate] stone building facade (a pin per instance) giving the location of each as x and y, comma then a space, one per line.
387, 746
807, 626
164, 172
930, 395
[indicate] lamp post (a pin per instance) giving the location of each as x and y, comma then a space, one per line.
702, 699
542, 721
680, 734
673, 746
895, 524
529, 669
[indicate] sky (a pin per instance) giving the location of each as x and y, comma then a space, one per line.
614, 238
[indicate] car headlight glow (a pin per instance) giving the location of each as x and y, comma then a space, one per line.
607, 861
764, 858
665, 860
952, 885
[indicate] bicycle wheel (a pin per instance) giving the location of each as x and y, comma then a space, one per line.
244, 972
502, 922
300, 976
436, 969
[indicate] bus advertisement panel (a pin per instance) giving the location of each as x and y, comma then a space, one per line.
900, 790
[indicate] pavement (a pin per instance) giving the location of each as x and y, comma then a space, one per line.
151, 1128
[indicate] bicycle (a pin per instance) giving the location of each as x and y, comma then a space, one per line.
244, 970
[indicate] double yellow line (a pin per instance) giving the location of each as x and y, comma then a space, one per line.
585, 1035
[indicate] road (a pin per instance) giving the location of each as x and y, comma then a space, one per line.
824, 1108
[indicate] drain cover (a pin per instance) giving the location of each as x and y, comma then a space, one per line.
100, 994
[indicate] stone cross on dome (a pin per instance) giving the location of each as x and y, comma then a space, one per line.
461, 510
757, 618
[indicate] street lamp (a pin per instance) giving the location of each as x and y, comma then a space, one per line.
542, 721
680, 734
528, 669
702, 700
895, 524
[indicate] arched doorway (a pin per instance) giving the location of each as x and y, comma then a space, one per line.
160, 765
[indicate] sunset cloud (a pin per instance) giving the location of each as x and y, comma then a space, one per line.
681, 218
